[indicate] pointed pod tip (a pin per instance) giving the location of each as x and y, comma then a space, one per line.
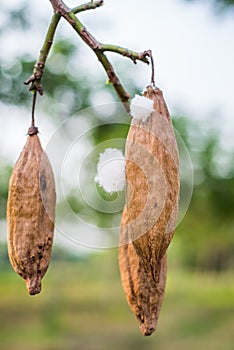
148, 327
147, 330
33, 286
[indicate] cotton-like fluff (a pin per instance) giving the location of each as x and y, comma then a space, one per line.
141, 107
111, 170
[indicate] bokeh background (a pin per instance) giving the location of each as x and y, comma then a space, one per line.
82, 305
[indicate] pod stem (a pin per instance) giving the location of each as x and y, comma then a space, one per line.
33, 107
150, 55
33, 130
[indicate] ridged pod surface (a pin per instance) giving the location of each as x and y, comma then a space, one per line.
149, 219
144, 296
31, 214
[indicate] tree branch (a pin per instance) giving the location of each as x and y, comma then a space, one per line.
88, 6
100, 48
113, 79
62, 10
35, 79
96, 45
134, 56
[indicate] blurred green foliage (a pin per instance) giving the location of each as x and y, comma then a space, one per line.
220, 3
225, 2
5, 172
205, 237
56, 83
82, 306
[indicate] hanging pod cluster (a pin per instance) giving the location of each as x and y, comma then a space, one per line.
149, 218
152, 190
31, 213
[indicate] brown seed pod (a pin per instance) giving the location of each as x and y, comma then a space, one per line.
31, 213
152, 194
144, 296
152, 174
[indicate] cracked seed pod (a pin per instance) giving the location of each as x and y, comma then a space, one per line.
152, 194
144, 296
31, 213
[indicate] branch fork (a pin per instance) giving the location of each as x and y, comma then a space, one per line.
62, 10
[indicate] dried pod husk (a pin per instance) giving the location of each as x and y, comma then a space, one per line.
152, 175
152, 194
31, 214
144, 296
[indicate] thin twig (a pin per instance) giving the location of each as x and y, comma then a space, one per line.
62, 10
100, 48
33, 130
33, 107
88, 6
95, 45
35, 79
134, 56
150, 55
113, 79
